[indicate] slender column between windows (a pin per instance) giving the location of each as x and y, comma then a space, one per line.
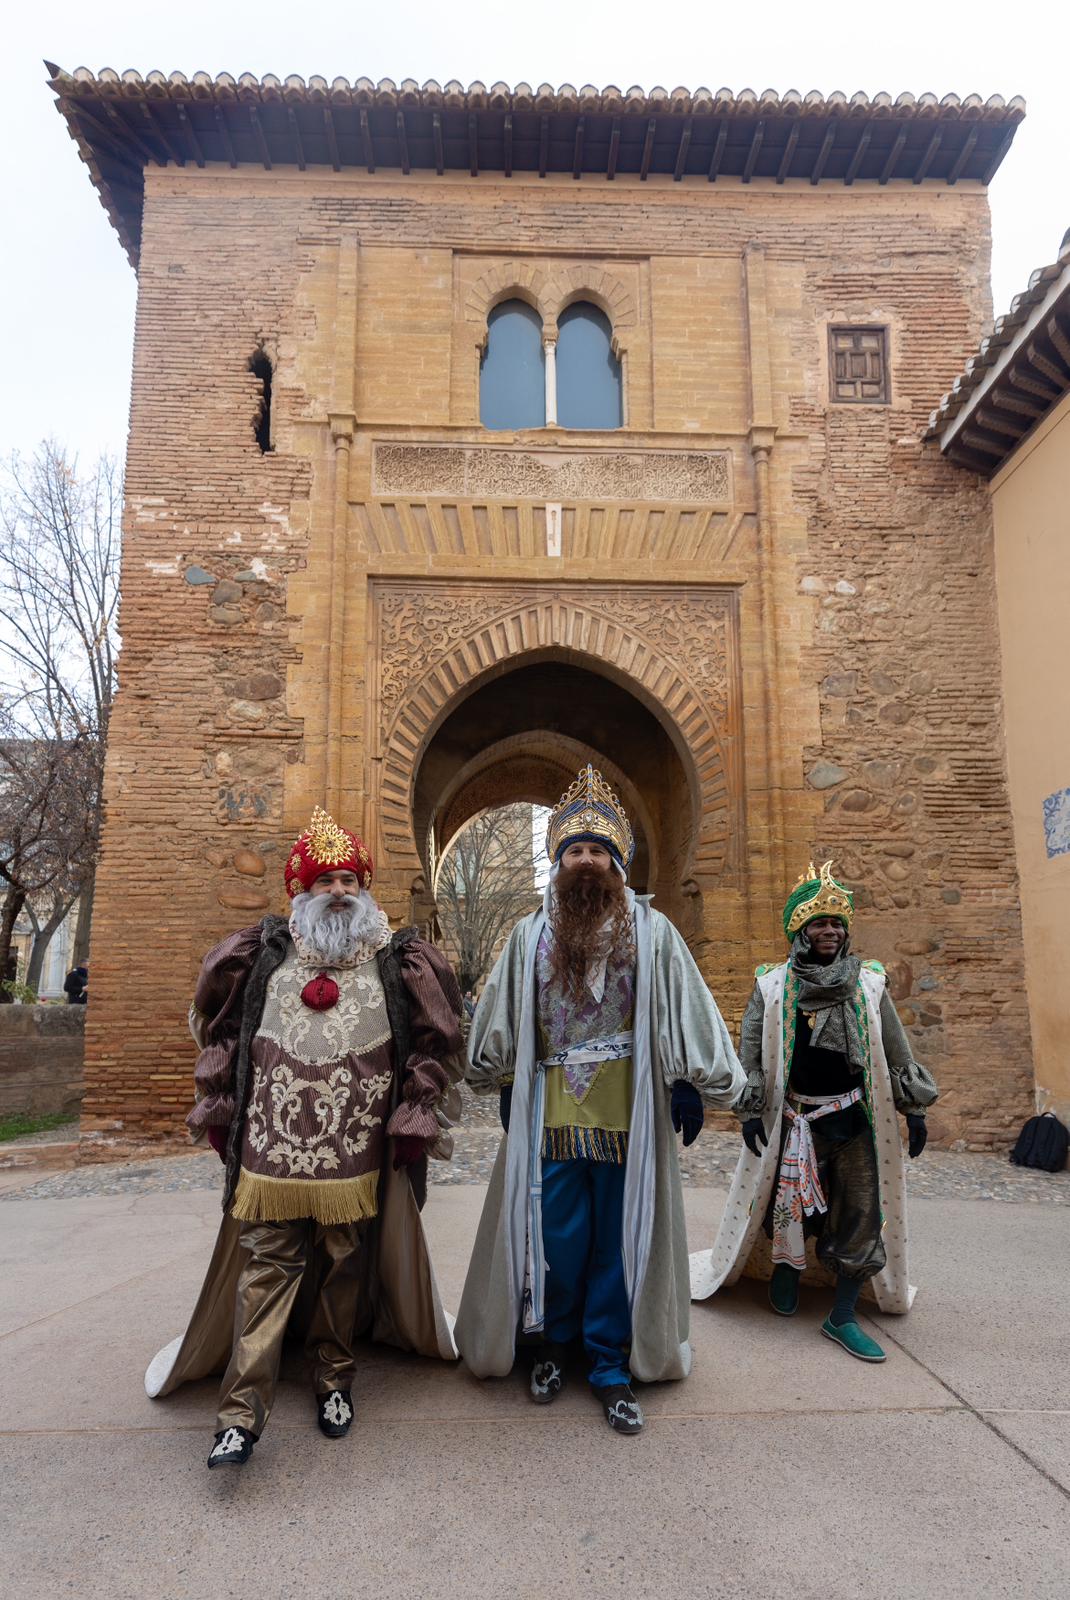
549, 349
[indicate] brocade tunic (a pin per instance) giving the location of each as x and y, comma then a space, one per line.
588, 1106
313, 1138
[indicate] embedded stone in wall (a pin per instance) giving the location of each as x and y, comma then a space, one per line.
693, 476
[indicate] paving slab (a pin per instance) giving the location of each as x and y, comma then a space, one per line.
742, 1484
539, 1510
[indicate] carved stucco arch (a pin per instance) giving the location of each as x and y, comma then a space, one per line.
674, 649
550, 290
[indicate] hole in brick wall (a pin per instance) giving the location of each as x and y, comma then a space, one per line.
261, 368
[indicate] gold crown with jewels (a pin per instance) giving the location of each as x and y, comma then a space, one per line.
589, 809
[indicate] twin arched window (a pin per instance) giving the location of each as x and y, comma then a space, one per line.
529, 379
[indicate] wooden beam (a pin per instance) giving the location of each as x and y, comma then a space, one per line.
995, 423
682, 149
1022, 380
1000, 151
1018, 404
577, 147
1042, 364
755, 145
964, 154
129, 134
224, 134
473, 145
823, 153
856, 160
718, 148
436, 134
91, 130
165, 138
1058, 337
648, 149
614, 149
789, 150
981, 442
261, 142
544, 143
962, 457
507, 142
403, 143
190, 132
930, 155
332, 137
366, 140
893, 156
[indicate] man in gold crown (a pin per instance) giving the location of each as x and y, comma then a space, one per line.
600, 1037
325, 1067
819, 1193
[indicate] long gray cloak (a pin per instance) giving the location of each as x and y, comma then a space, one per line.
679, 1033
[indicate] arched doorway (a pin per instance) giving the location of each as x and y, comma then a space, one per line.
524, 734
482, 693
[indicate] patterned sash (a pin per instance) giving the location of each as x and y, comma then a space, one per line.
799, 1192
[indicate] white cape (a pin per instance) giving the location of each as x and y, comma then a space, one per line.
741, 1245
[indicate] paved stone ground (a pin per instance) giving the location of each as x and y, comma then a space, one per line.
952, 1459
709, 1163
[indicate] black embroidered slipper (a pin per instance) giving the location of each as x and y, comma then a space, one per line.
623, 1411
547, 1376
334, 1413
233, 1447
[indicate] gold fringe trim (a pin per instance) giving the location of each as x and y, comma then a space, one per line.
327, 1200
584, 1144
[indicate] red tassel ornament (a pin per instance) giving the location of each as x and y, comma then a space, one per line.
320, 993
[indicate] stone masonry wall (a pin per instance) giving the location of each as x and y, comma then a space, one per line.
870, 719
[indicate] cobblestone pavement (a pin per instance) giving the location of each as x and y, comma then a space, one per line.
709, 1163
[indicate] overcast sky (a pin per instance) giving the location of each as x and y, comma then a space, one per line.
68, 291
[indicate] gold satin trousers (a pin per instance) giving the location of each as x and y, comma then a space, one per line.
276, 1254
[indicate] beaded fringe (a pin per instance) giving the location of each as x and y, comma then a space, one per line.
326, 1200
584, 1144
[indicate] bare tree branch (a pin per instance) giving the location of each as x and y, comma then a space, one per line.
487, 883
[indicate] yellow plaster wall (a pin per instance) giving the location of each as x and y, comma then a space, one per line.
1031, 505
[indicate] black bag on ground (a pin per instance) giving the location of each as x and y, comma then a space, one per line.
1043, 1142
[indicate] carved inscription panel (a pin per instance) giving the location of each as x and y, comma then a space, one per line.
696, 477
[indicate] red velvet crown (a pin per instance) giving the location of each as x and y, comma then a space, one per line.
325, 847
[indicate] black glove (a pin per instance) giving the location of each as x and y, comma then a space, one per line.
505, 1101
754, 1135
917, 1134
686, 1109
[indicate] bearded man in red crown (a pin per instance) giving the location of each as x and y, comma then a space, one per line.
324, 1083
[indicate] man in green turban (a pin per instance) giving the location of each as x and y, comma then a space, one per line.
819, 1190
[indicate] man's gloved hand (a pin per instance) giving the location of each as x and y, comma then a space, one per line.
217, 1138
686, 1110
407, 1149
754, 1135
917, 1135
505, 1103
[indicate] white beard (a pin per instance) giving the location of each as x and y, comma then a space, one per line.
332, 936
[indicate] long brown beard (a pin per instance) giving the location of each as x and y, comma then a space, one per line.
584, 898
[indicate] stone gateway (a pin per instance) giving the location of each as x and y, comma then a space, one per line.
479, 434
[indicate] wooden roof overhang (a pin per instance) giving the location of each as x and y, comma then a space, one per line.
1019, 373
123, 122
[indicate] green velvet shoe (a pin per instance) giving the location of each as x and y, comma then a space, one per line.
784, 1290
853, 1340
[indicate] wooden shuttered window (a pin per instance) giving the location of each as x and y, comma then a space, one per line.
858, 366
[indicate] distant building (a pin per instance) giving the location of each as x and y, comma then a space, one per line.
1007, 419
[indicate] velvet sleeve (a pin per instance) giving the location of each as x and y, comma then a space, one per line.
217, 1005
751, 1102
435, 1039
913, 1086
691, 1038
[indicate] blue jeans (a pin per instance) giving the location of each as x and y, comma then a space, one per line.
582, 1209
